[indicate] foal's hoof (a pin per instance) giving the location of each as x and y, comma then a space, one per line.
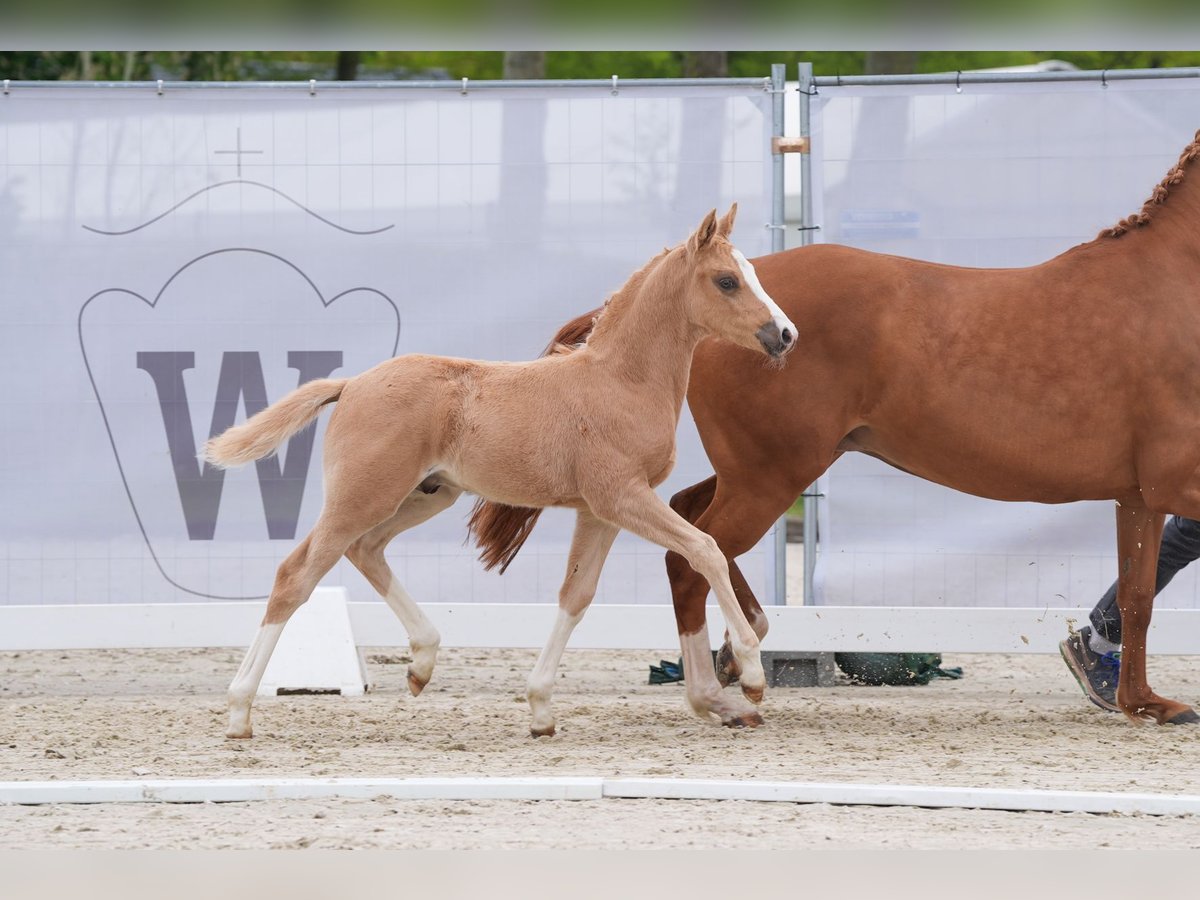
754, 695
1187, 717
238, 726
746, 720
548, 731
415, 684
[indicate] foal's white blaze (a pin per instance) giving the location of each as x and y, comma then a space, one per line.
777, 315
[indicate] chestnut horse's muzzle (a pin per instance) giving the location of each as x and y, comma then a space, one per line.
776, 341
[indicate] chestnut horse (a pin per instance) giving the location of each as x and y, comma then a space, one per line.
593, 431
1075, 379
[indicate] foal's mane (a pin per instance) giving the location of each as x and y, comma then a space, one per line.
622, 299
1160, 193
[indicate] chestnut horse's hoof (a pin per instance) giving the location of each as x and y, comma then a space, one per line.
726, 665
1187, 717
746, 720
548, 731
415, 684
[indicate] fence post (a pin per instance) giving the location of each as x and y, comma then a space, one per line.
778, 89
806, 85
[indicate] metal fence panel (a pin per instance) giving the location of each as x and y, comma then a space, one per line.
981, 175
170, 258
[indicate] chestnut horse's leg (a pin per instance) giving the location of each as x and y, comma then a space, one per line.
703, 691
737, 518
641, 511
1139, 534
691, 503
367, 555
589, 548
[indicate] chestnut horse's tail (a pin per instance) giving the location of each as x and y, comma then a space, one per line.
499, 530
262, 433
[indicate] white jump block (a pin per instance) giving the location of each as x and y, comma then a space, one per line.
316, 651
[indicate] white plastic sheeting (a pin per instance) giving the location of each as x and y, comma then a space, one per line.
167, 258
992, 175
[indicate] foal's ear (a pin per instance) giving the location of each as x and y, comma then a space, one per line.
725, 226
703, 235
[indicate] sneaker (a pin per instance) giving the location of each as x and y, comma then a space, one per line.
1096, 673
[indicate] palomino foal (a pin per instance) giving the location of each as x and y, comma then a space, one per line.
592, 430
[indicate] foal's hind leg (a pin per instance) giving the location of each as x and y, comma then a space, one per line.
367, 555
353, 505
589, 548
295, 580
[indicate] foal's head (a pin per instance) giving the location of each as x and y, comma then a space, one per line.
725, 297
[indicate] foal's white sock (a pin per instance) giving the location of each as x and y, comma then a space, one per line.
1097, 643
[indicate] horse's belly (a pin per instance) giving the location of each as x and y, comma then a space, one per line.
515, 484
1006, 468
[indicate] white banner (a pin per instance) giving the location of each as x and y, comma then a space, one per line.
992, 175
169, 262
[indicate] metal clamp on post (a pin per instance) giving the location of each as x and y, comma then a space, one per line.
790, 145
312, 87
6, 86
464, 86
160, 87
614, 85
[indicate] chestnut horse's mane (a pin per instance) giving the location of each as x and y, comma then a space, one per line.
500, 530
1160, 193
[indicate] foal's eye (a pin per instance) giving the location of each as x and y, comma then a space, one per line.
727, 282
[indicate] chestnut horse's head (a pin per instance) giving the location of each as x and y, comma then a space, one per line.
725, 295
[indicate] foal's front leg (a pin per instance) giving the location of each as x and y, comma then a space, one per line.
589, 548
640, 510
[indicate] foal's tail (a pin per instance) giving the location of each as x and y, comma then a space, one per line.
261, 434
500, 531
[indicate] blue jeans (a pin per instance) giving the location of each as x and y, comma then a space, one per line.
1180, 545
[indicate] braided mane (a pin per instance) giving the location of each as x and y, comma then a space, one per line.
1159, 196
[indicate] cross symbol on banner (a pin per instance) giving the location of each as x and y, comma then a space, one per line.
238, 152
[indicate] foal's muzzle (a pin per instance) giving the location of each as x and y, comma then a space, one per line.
776, 341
